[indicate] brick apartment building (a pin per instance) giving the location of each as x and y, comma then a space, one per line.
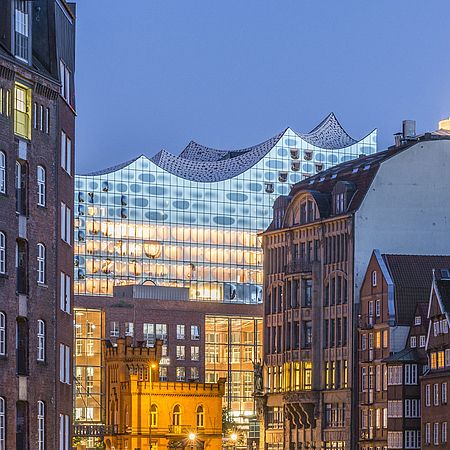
316, 253
392, 333
435, 383
37, 63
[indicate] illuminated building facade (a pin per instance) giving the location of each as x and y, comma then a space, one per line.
144, 413
192, 220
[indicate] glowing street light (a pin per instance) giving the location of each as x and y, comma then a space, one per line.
192, 436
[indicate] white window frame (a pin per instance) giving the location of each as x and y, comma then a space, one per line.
413, 342
427, 395
181, 352
428, 433
194, 336
417, 320
444, 432
444, 393
65, 300
195, 353
41, 263
41, 340
114, 328
41, 424
436, 433
41, 185
422, 340
129, 329
374, 278
2, 252
66, 152
66, 223
2, 423
47, 121
2, 170
2, 334
181, 331
436, 394
64, 74
64, 364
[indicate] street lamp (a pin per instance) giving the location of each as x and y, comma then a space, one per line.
234, 438
192, 436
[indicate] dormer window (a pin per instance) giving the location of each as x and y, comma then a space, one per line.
307, 212
308, 155
342, 194
21, 30
417, 320
339, 203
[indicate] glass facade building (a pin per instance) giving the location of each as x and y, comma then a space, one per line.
192, 220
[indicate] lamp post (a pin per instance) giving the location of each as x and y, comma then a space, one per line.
152, 366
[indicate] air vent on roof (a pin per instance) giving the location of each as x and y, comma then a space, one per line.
294, 153
333, 176
308, 155
269, 188
355, 170
282, 177
295, 166
367, 167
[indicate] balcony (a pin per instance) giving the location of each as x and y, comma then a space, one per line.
298, 266
95, 430
180, 430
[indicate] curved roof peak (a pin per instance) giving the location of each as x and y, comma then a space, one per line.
328, 134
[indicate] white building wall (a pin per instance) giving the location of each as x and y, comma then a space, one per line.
407, 208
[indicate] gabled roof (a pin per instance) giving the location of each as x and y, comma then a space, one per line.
412, 276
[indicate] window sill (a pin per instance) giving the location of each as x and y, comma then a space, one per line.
42, 285
42, 363
4, 275
4, 357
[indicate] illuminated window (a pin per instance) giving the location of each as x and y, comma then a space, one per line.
433, 357
194, 373
195, 353
200, 417
176, 415
22, 111
441, 359
307, 375
180, 352
378, 339
181, 373
181, 331
154, 415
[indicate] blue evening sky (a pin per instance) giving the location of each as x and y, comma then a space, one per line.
155, 74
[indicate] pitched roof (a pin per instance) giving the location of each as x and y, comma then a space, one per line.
405, 355
443, 286
412, 276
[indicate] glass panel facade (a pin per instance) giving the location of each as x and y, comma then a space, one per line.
88, 366
232, 345
192, 220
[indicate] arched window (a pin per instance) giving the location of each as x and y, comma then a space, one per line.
2, 173
41, 340
41, 425
176, 416
2, 334
2, 424
374, 278
41, 185
41, 263
2, 252
200, 417
154, 416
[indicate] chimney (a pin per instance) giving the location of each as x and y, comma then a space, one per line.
409, 129
444, 124
398, 138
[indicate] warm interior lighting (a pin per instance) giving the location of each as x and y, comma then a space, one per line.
152, 249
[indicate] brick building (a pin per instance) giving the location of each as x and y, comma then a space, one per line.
143, 412
37, 63
316, 252
435, 383
392, 332
201, 341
